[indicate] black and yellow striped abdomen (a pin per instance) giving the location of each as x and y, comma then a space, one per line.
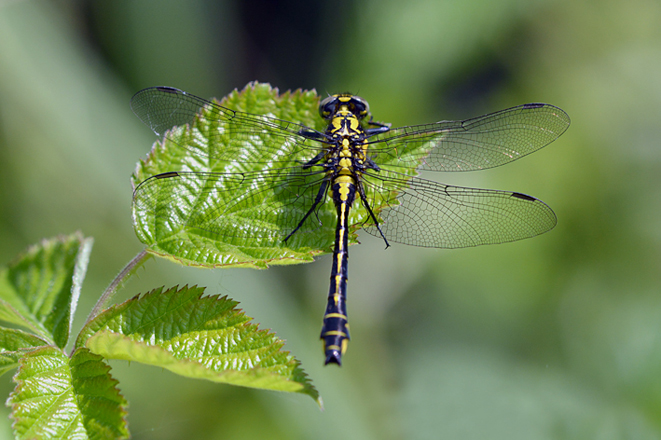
335, 330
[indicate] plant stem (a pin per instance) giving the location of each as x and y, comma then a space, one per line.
119, 280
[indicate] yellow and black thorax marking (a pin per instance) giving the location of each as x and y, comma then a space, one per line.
345, 132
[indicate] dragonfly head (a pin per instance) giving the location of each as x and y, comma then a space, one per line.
347, 102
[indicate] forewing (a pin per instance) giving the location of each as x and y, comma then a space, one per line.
164, 108
425, 213
484, 142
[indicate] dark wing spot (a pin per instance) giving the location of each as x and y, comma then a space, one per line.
166, 175
168, 89
534, 105
523, 197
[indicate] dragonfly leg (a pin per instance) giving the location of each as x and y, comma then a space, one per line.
366, 204
312, 162
379, 127
317, 200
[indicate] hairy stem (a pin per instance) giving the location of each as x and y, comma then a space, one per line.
119, 280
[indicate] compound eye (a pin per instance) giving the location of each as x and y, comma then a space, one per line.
328, 106
360, 107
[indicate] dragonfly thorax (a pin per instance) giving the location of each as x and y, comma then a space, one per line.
345, 124
347, 137
348, 150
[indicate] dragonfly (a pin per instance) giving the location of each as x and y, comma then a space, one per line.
355, 160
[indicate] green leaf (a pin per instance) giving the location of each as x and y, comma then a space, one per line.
195, 336
13, 343
40, 290
61, 398
173, 217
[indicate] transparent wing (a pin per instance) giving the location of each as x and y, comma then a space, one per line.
162, 108
247, 209
474, 144
424, 213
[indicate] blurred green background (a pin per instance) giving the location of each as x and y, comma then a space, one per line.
556, 337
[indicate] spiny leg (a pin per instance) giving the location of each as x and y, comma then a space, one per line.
363, 198
320, 195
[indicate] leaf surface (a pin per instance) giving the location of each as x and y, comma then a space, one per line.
195, 336
57, 397
39, 291
13, 344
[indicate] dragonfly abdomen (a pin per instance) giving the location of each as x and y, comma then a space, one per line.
335, 330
